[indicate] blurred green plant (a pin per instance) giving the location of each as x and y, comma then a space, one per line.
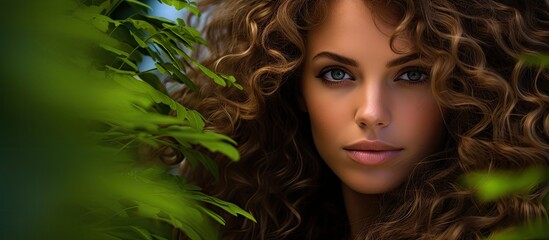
495, 185
537, 60
492, 186
78, 103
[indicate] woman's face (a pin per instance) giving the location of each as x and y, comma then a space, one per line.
372, 113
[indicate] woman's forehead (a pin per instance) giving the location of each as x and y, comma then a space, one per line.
349, 27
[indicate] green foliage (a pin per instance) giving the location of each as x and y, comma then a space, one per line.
492, 186
123, 43
540, 59
79, 105
135, 119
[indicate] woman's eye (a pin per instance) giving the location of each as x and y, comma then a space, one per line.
413, 76
335, 75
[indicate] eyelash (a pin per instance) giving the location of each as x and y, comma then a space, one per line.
424, 76
326, 70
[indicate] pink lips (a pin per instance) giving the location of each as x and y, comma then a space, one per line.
371, 152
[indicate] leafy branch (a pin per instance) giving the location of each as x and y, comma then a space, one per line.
128, 108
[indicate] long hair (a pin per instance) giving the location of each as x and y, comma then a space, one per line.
280, 176
495, 105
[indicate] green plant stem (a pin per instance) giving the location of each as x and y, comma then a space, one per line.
113, 7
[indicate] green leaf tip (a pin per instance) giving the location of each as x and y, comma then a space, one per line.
492, 186
537, 60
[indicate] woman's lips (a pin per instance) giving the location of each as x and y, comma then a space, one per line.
371, 152
370, 157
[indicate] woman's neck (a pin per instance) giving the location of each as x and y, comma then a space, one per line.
362, 209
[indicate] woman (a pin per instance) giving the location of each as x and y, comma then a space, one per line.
358, 117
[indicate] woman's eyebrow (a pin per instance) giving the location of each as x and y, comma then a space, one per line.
402, 60
348, 61
337, 58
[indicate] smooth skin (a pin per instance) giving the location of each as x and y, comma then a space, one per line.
356, 89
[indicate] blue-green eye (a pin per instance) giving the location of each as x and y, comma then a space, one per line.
335, 75
413, 76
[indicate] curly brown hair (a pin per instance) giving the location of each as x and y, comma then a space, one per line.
495, 105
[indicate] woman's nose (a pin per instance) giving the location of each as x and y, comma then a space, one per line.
372, 109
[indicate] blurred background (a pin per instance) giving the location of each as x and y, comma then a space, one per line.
44, 143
